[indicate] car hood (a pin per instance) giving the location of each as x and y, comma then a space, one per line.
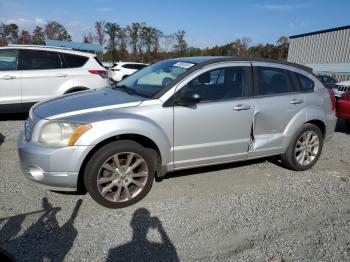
344, 83
85, 102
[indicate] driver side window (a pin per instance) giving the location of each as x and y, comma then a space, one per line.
219, 84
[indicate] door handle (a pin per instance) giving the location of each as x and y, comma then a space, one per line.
296, 101
61, 75
8, 77
241, 107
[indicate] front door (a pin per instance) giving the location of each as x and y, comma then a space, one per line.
217, 129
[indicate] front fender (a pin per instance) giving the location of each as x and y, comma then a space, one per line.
129, 124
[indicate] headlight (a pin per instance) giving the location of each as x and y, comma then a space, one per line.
62, 133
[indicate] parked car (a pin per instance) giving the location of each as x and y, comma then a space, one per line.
121, 70
327, 80
341, 88
29, 74
191, 112
343, 107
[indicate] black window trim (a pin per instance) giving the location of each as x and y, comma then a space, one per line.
65, 64
294, 88
299, 84
17, 59
249, 89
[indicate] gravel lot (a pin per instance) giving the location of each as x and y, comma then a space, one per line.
251, 211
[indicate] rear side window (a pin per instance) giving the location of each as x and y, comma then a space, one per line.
39, 60
129, 66
8, 59
73, 61
305, 83
139, 67
272, 81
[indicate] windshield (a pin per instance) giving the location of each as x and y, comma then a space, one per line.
154, 78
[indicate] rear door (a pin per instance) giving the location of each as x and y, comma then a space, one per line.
277, 101
217, 129
42, 74
10, 86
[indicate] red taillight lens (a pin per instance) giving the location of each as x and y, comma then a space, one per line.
333, 101
346, 95
101, 73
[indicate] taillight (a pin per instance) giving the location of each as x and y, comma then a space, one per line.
101, 73
346, 95
333, 101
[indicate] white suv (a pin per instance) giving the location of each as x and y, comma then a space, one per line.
29, 74
121, 70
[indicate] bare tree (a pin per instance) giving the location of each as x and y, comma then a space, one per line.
88, 38
168, 41
100, 35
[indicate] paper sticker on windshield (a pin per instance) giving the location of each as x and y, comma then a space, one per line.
183, 64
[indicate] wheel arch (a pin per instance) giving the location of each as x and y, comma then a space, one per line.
141, 139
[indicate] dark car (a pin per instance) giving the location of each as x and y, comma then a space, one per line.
343, 108
328, 81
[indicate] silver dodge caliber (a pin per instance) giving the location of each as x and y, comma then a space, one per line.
172, 115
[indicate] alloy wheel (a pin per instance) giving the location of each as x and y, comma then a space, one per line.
307, 148
122, 177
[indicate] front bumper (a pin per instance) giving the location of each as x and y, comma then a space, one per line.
56, 167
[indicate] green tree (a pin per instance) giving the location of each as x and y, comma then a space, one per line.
56, 31
133, 32
38, 37
11, 33
112, 30
3, 41
180, 46
282, 48
122, 44
25, 37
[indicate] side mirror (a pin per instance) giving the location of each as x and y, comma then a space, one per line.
188, 98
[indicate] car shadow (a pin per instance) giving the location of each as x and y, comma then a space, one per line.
219, 167
140, 248
13, 116
44, 240
342, 127
2, 139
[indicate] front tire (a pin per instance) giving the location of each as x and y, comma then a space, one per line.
304, 149
120, 174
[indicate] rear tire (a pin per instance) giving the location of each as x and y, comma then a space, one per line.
120, 174
304, 149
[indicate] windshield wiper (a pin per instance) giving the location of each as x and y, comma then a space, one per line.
128, 90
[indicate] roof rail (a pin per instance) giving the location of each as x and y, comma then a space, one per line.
40, 46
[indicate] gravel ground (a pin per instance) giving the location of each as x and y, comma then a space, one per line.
251, 211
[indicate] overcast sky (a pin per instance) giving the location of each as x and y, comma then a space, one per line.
207, 22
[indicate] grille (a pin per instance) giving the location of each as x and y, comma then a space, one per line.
343, 88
